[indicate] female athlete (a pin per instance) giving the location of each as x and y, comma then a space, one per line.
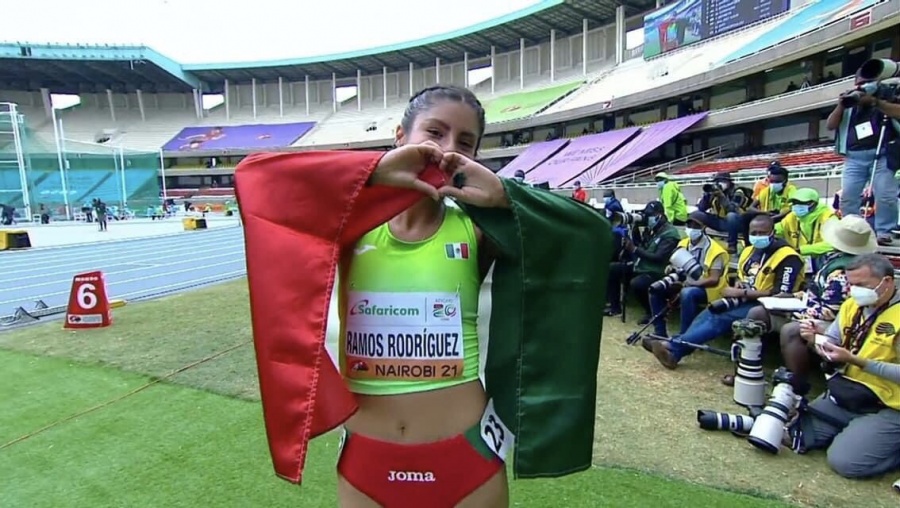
415, 375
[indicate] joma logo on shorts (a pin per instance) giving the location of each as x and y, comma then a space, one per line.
410, 476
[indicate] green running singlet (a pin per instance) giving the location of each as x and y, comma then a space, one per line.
409, 310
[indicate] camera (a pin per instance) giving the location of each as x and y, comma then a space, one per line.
709, 188
685, 265
877, 69
768, 428
628, 219
885, 92
663, 285
683, 261
879, 74
724, 305
713, 420
746, 353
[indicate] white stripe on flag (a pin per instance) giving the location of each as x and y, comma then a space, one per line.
484, 321
333, 327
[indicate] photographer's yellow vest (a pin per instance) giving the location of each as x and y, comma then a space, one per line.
740, 197
709, 255
878, 346
771, 201
793, 235
762, 278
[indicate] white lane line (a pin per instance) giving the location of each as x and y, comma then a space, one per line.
53, 250
127, 281
126, 243
100, 250
182, 260
190, 282
143, 253
146, 257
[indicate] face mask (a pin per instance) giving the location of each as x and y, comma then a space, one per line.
607, 200
722, 185
652, 221
760, 242
800, 210
519, 179
660, 184
864, 296
777, 187
693, 234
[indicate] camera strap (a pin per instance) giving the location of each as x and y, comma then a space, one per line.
855, 336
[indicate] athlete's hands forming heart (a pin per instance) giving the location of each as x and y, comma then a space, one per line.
401, 166
472, 183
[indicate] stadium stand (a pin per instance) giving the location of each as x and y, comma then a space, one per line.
807, 157
540, 98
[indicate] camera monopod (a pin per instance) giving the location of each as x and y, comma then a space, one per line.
699, 347
636, 336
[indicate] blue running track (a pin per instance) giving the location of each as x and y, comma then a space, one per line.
134, 268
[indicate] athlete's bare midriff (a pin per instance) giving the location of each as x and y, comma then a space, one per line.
420, 417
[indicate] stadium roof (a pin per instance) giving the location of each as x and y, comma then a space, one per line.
89, 68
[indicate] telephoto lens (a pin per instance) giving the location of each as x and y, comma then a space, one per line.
666, 282
724, 305
713, 420
746, 353
768, 428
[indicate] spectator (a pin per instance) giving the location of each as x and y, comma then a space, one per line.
579, 194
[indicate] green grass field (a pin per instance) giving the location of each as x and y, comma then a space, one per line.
76, 429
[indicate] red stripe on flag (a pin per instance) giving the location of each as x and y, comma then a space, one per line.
464, 249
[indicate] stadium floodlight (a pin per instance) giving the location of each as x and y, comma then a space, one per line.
57, 134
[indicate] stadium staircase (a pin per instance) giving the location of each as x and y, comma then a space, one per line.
667, 68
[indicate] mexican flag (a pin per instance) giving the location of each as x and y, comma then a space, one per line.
542, 305
457, 250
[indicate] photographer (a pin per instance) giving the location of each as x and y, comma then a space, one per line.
693, 294
660, 239
768, 267
802, 228
723, 205
774, 198
612, 206
858, 121
858, 417
850, 236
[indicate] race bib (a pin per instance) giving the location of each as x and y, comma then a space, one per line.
864, 130
341, 443
495, 434
403, 336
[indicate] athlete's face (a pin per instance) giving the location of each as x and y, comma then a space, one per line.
452, 125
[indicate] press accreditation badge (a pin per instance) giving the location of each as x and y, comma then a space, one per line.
864, 130
403, 336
